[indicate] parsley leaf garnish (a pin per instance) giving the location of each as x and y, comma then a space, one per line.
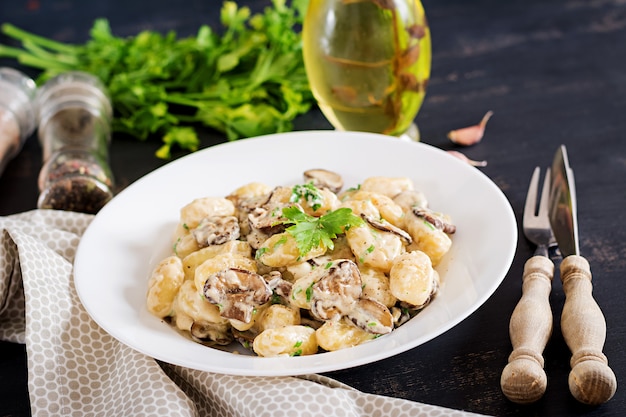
312, 232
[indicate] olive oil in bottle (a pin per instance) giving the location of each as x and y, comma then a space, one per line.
368, 62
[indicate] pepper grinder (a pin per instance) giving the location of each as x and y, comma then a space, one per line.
74, 117
17, 112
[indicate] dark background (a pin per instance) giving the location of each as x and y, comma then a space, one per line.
553, 72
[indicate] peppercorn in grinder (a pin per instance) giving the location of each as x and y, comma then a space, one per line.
74, 116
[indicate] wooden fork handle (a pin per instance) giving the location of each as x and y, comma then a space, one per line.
523, 379
591, 381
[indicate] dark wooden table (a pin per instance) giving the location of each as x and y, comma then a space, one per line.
553, 73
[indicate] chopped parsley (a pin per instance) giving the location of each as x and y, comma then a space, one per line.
297, 352
280, 241
309, 292
429, 224
276, 299
260, 252
309, 193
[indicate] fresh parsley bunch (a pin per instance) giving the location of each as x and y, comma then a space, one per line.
248, 81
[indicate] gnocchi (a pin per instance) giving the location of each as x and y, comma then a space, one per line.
163, 286
293, 340
298, 270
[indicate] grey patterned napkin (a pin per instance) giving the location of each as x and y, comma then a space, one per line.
76, 369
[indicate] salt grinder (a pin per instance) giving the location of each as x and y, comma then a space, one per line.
17, 112
74, 117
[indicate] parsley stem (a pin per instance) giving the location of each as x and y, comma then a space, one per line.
17, 33
10, 52
42, 63
42, 53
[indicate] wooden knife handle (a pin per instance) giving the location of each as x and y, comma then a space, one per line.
523, 379
591, 381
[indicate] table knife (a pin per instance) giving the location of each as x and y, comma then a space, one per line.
591, 380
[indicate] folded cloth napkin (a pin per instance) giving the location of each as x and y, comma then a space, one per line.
77, 369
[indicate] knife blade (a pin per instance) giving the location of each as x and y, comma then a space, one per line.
591, 380
562, 209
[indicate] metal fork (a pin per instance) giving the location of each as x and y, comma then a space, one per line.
536, 222
523, 379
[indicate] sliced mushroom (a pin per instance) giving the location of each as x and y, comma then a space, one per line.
255, 238
322, 178
337, 292
278, 285
435, 219
245, 338
244, 208
387, 227
255, 206
311, 322
263, 223
206, 332
268, 220
237, 292
371, 316
400, 315
216, 230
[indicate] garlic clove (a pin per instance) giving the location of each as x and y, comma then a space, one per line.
472, 134
464, 158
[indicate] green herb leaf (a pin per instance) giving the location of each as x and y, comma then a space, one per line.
312, 232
